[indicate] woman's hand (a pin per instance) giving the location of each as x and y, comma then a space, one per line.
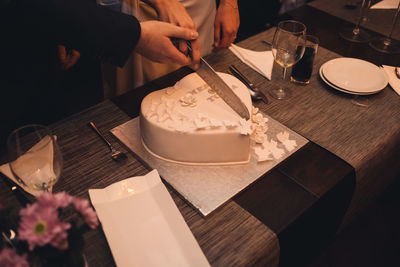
174, 12
226, 24
155, 42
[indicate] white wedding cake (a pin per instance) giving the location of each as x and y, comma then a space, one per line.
189, 123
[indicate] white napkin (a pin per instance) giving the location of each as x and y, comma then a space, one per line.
386, 4
393, 80
262, 62
45, 156
143, 226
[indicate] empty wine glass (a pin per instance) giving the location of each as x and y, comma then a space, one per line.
287, 47
388, 44
356, 34
34, 157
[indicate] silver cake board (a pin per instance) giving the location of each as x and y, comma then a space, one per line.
205, 187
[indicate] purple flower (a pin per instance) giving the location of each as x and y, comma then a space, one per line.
59, 200
10, 258
40, 225
84, 208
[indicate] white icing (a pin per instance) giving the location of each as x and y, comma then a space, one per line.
189, 123
283, 137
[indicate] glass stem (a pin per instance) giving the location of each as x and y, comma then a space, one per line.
45, 187
284, 73
357, 27
394, 21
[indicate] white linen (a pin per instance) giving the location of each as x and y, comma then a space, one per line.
393, 80
143, 226
386, 4
260, 61
45, 155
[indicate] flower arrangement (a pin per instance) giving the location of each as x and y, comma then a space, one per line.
50, 232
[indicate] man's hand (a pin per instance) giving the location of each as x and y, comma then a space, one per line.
174, 12
67, 58
226, 24
155, 43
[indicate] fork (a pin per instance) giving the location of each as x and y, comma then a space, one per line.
115, 154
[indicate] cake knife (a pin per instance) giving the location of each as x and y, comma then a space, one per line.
208, 74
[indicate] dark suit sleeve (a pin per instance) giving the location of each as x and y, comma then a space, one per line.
80, 24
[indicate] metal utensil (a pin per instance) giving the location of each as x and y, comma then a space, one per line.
255, 92
208, 74
352, 4
115, 154
266, 42
397, 71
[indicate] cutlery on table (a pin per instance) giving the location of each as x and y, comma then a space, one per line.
115, 154
397, 71
266, 42
255, 92
352, 4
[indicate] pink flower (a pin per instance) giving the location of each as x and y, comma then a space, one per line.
10, 258
40, 225
59, 200
84, 208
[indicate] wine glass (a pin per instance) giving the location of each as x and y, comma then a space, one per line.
388, 44
287, 47
356, 34
34, 157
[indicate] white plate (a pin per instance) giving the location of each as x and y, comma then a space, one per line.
355, 75
334, 86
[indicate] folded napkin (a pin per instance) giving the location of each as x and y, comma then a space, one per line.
393, 80
386, 4
24, 163
262, 62
143, 226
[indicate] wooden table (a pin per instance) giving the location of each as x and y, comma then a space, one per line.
287, 216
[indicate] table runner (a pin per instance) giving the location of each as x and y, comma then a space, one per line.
367, 138
227, 238
379, 20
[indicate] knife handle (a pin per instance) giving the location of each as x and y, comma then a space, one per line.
234, 70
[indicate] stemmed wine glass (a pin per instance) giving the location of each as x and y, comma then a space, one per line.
287, 47
388, 44
34, 157
357, 34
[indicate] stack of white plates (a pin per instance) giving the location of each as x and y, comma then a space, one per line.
353, 76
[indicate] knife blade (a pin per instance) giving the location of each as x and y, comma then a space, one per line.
208, 74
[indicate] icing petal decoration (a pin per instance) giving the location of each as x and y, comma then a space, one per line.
170, 90
202, 122
254, 110
229, 124
215, 123
258, 118
259, 137
272, 146
245, 127
283, 137
262, 154
260, 128
188, 100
